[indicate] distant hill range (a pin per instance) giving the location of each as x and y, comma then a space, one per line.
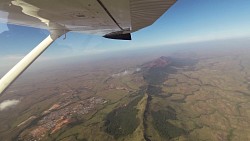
159, 62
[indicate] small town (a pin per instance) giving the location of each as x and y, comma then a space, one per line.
61, 114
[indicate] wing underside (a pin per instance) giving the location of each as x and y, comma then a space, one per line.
103, 17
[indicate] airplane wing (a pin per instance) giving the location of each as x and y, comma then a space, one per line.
102, 17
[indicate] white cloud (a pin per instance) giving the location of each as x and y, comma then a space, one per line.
138, 69
8, 103
126, 72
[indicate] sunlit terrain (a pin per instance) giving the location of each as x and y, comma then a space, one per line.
177, 92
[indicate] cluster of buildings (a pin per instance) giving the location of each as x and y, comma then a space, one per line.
61, 114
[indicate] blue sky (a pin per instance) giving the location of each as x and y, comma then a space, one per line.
187, 21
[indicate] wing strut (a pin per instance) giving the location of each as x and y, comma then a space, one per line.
21, 66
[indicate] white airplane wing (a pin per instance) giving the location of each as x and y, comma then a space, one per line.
103, 17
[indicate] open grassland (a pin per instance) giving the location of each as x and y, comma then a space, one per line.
212, 100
